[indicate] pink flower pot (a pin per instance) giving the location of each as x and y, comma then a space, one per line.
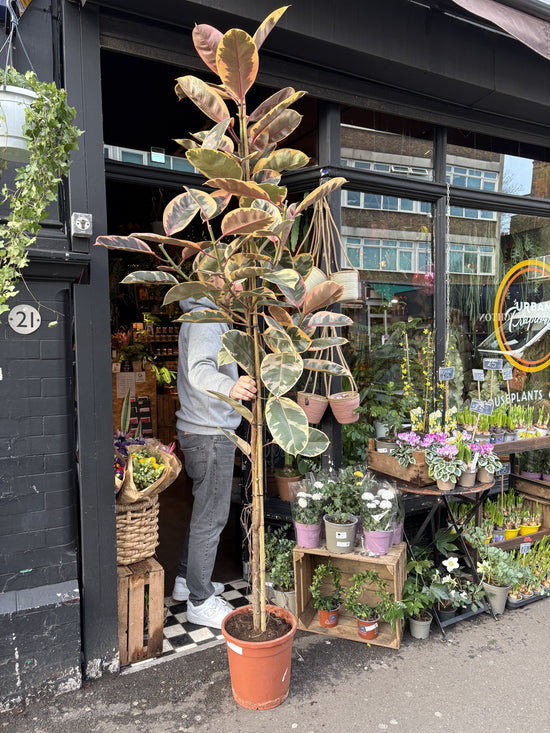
307, 535
378, 541
397, 533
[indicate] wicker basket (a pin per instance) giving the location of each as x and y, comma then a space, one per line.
137, 530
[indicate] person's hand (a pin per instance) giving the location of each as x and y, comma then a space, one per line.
244, 389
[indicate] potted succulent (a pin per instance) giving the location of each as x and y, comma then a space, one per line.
368, 600
444, 465
43, 149
327, 603
248, 245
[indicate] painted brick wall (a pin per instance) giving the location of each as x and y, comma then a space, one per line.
38, 503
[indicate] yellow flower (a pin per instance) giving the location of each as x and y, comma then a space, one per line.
142, 460
358, 473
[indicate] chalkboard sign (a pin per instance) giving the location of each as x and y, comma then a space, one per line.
481, 406
478, 375
504, 471
446, 373
507, 374
524, 548
492, 364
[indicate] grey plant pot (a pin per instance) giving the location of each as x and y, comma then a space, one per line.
420, 629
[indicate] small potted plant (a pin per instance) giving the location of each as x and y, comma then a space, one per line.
468, 476
444, 465
378, 511
419, 595
307, 512
339, 520
488, 463
281, 573
327, 604
363, 587
287, 478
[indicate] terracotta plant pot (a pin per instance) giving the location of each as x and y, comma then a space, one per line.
368, 629
287, 492
260, 671
329, 619
343, 405
484, 477
314, 405
445, 485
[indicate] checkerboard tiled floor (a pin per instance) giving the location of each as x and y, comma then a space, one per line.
182, 637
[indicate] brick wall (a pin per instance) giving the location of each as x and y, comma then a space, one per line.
39, 595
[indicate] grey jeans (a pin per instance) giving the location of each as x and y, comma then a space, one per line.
209, 463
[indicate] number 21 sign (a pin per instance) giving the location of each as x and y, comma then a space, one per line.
24, 319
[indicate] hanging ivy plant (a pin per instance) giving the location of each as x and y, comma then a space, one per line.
51, 137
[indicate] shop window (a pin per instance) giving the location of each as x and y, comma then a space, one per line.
387, 255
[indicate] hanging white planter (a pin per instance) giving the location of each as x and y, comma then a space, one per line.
350, 280
13, 103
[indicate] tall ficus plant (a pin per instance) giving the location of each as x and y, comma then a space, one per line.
274, 319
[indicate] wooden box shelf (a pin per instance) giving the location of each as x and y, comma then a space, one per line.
140, 610
391, 568
415, 474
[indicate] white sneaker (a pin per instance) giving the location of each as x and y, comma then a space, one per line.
210, 613
181, 591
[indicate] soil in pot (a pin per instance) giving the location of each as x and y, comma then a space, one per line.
242, 627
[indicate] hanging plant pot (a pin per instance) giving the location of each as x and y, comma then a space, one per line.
315, 277
314, 405
260, 670
351, 283
13, 103
343, 405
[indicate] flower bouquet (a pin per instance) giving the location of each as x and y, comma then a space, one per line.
151, 468
307, 512
379, 508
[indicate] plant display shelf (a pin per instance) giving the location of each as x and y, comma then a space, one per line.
391, 568
526, 601
520, 446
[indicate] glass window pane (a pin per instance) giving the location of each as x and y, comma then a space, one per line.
405, 261
354, 255
371, 258
390, 203
353, 198
406, 205
389, 257
455, 262
371, 201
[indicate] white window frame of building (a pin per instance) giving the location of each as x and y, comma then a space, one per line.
387, 203
473, 257
418, 250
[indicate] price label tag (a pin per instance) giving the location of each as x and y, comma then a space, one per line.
492, 364
481, 406
504, 471
487, 408
524, 548
446, 373
478, 375
507, 374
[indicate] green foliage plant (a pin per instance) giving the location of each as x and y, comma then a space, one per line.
420, 592
51, 138
323, 601
245, 266
386, 606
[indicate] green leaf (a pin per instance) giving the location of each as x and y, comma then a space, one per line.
235, 404
286, 277
224, 357
265, 28
125, 413
326, 318
325, 189
329, 367
188, 290
285, 159
205, 316
128, 243
284, 125
327, 343
280, 372
267, 176
245, 221
272, 114
317, 443
208, 206
300, 340
241, 444
237, 62
277, 340
214, 138
241, 347
206, 40
290, 284
288, 424
214, 163
303, 264
148, 277
179, 213
204, 97
268, 104
277, 194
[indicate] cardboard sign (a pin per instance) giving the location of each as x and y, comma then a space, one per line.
492, 364
478, 375
446, 373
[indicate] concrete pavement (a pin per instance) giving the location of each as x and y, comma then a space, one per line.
489, 677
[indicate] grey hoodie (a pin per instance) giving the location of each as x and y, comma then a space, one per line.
198, 371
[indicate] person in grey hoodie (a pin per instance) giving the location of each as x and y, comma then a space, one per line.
209, 458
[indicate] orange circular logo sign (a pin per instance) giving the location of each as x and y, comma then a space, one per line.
520, 314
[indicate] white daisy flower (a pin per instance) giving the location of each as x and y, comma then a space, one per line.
318, 485
317, 497
302, 503
385, 504
367, 496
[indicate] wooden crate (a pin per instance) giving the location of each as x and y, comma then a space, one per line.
390, 567
416, 474
140, 610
